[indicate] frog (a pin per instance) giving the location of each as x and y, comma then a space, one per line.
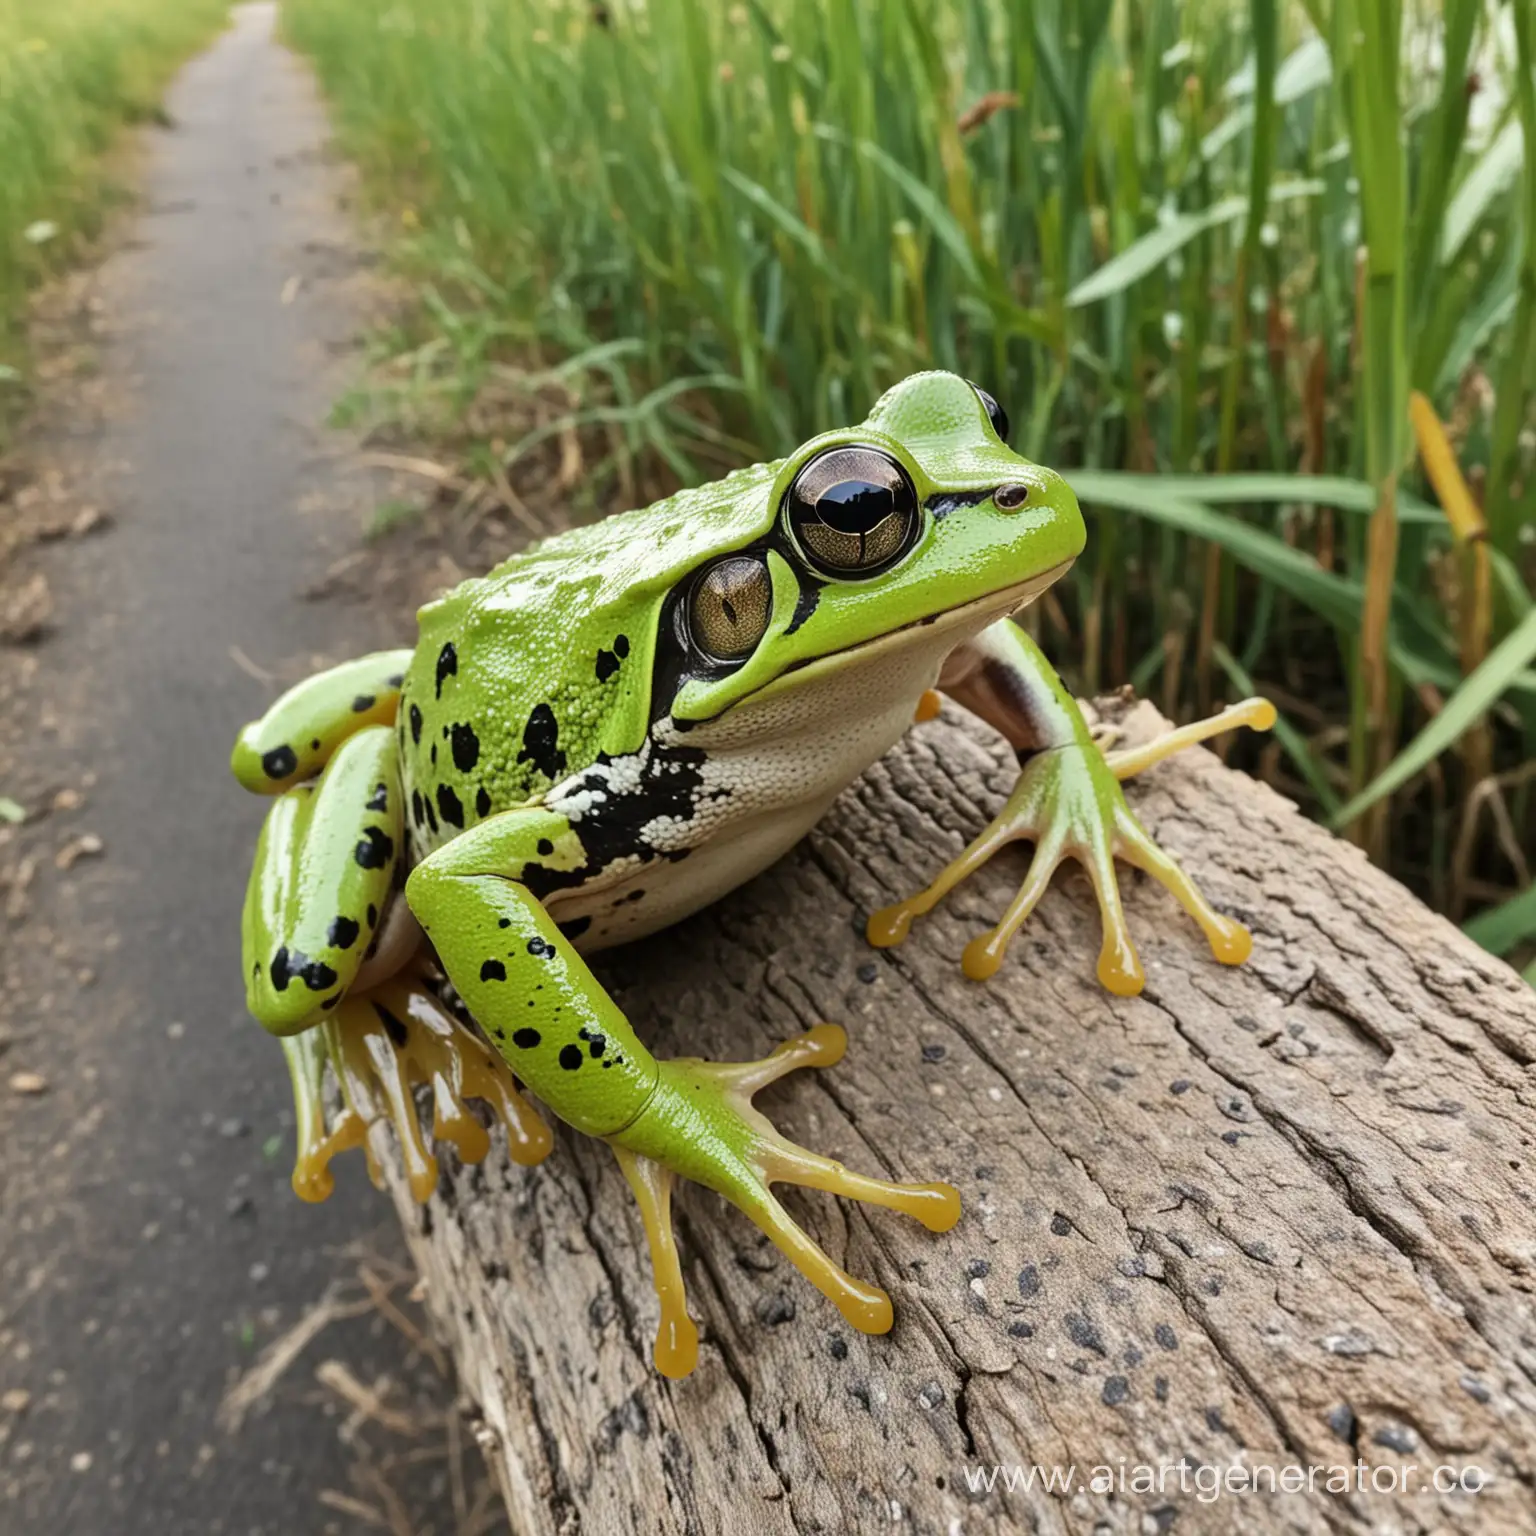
611, 730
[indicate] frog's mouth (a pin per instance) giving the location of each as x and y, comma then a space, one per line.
973, 616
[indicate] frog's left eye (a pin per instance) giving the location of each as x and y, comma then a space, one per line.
995, 413
853, 512
730, 608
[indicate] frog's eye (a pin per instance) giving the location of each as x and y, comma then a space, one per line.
730, 608
995, 413
853, 512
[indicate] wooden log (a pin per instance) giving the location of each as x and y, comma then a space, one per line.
1274, 1216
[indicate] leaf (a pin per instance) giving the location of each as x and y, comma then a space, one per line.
1321, 490
1152, 250
1501, 928
797, 230
1495, 168
1335, 598
1494, 675
1302, 71
928, 203
1286, 734
1156, 246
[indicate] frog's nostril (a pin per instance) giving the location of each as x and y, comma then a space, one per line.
1011, 497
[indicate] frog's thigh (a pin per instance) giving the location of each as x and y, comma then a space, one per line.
295, 738
326, 865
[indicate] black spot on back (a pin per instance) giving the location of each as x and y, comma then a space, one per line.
279, 762
431, 814
607, 665
375, 850
379, 799
417, 814
373, 915
448, 806
447, 665
364, 701
493, 970
526, 1039
395, 1028
482, 802
466, 748
621, 646
545, 846
541, 743
343, 932
416, 725
570, 1057
394, 680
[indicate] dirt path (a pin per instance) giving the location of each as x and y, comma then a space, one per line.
151, 1243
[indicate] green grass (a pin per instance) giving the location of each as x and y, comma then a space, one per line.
72, 73
1201, 251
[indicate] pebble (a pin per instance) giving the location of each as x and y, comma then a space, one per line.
28, 1083
16, 1400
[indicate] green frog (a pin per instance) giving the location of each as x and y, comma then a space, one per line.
614, 728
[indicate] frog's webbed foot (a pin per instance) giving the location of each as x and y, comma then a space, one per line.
700, 1123
1069, 802
380, 1045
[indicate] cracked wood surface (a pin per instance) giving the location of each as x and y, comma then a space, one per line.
1281, 1214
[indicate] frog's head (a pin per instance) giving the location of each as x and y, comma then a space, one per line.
919, 523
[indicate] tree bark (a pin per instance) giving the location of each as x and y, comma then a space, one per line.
1278, 1215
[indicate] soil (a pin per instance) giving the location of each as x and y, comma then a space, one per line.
184, 1346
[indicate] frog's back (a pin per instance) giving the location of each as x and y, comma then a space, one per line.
544, 666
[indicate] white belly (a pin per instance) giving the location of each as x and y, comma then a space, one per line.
772, 767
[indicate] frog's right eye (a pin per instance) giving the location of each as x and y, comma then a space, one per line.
730, 608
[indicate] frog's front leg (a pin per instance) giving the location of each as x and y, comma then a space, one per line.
322, 934
1068, 799
570, 1043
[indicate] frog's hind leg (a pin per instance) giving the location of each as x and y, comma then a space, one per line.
329, 859
300, 733
324, 933
380, 1046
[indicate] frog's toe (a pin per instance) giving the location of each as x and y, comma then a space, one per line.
701, 1124
1230, 942
380, 1046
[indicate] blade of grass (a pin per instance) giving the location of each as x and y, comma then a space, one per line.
1462, 710
1504, 927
